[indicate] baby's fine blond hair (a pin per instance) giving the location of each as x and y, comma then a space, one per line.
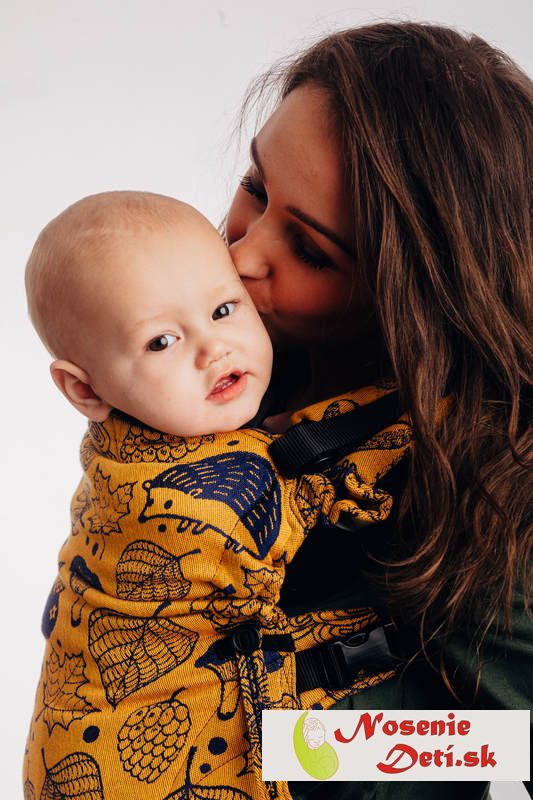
70, 250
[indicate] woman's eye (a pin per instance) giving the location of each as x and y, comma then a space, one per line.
162, 342
311, 254
254, 188
223, 311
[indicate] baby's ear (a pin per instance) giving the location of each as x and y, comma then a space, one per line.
75, 385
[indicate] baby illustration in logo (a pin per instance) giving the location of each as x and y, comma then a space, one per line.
317, 757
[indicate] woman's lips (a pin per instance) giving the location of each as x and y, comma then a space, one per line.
228, 387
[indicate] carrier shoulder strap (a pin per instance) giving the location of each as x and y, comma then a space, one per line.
312, 446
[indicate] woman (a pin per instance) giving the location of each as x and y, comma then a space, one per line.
383, 231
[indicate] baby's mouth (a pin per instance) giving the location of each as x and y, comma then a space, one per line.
224, 382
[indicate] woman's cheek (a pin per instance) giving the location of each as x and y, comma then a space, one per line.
309, 294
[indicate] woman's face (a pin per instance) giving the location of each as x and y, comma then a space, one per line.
290, 227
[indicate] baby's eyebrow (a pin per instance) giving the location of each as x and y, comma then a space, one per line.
231, 285
133, 330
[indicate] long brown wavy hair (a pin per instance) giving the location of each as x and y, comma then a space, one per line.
436, 131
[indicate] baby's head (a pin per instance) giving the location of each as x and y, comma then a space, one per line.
138, 301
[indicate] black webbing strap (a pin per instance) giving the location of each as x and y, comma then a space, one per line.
311, 446
245, 639
331, 666
336, 665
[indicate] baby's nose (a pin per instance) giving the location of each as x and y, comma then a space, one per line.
210, 352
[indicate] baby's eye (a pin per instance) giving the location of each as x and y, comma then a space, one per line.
224, 310
162, 342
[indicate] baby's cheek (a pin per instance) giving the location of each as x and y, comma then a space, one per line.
145, 393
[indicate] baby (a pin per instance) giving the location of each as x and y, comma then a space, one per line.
136, 297
165, 639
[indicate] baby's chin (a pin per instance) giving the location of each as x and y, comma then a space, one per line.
219, 419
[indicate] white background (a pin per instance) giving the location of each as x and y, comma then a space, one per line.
108, 95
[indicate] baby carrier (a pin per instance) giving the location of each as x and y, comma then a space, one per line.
165, 639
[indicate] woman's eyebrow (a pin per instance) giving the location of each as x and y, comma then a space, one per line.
254, 155
301, 215
319, 228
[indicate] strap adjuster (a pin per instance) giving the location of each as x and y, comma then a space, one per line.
313, 446
336, 665
367, 650
246, 640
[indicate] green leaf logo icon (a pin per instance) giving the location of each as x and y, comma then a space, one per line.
317, 757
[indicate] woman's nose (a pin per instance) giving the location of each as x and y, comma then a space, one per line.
250, 256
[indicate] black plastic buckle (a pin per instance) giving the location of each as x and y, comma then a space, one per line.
337, 664
368, 650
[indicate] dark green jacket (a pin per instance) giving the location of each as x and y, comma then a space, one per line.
332, 560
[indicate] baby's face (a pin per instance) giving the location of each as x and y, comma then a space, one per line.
175, 339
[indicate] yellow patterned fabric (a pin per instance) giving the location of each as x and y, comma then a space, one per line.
175, 543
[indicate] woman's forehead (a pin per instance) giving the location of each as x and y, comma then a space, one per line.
301, 130
300, 157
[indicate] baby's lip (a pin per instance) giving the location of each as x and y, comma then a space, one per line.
223, 381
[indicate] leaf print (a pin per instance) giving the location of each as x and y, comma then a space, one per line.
95, 442
75, 777
340, 406
62, 680
152, 737
263, 582
79, 506
132, 652
107, 505
391, 439
314, 494
148, 572
224, 611
200, 792
322, 626
100, 438
29, 791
